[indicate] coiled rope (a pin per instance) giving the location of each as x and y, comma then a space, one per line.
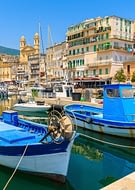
15, 168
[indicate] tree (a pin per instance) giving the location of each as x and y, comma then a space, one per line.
133, 77
120, 76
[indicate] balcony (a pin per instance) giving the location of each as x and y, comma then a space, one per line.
103, 29
110, 47
122, 37
99, 63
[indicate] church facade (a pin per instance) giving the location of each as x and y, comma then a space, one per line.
27, 50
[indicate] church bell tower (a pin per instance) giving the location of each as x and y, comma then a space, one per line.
36, 43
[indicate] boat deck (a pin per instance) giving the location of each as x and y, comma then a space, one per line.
10, 134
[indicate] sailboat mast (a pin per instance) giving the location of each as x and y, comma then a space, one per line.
50, 43
42, 45
39, 51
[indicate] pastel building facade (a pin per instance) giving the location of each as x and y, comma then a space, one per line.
56, 61
8, 67
98, 47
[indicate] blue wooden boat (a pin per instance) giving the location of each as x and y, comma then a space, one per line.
36, 148
116, 117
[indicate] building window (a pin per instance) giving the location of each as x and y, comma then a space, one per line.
116, 44
82, 50
94, 72
106, 71
107, 36
102, 37
107, 20
78, 51
73, 51
73, 63
77, 62
87, 49
100, 71
128, 69
81, 62
100, 58
70, 64
87, 73
94, 48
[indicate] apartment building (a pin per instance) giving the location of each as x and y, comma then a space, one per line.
99, 46
8, 67
36, 69
56, 59
129, 65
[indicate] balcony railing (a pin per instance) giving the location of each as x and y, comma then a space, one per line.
103, 29
122, 37
114, 47
99, 63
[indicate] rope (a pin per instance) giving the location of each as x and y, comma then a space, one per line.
16, 168
118, 145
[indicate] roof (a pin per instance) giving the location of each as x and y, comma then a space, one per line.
117, 85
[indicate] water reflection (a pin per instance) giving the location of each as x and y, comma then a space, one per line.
89, 152
7, 103
97, 163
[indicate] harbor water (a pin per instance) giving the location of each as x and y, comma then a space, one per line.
96, 161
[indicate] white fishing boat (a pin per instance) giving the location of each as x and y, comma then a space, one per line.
36, 148
32, 106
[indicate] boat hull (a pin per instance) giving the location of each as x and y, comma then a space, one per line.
104, 128
91, 118
34, 148
51, 165
31, 108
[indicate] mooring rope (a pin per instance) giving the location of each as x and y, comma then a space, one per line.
15, 168
102, 141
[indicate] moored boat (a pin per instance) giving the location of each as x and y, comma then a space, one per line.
116, 117
36, 148
32, 106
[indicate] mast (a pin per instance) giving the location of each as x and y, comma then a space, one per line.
39, 50
42, 45
50, 43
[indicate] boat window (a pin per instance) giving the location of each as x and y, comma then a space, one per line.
58, 89
128, 93
113, 92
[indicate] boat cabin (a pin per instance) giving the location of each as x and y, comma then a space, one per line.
119, 102
63, 89
56, 89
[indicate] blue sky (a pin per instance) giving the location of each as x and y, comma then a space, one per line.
22, 17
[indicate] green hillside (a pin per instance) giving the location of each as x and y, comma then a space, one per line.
9, 51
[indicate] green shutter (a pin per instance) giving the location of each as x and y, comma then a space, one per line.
95, 48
